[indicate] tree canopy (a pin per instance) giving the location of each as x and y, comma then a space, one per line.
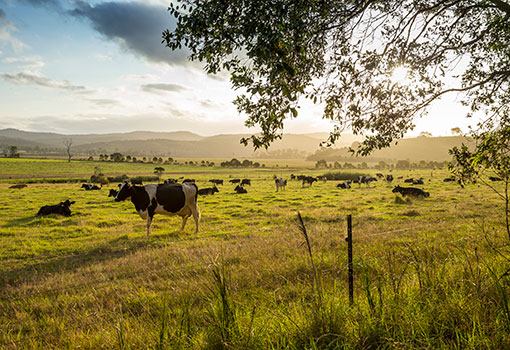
342, 54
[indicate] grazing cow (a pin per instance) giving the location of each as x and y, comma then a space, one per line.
235, 181
292, 176
63, 208
240, 189
410, 180
448, 179
246, 182
188, 181
136, 182
167, 199
216, 181
206, 191
389, 178
89, 187
418, 182
308, 180
365, 180
343, 185
19, 186
113, 193
410, 191
494, 178
170, 181
280, 183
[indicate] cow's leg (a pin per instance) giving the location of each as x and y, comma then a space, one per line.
184, 220
149, 222
196, 217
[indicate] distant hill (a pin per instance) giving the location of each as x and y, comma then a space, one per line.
55, 140
188, 144
413, 149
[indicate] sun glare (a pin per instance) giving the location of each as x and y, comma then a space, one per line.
399, 74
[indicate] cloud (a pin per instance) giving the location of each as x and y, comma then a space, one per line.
27, 78
6, 27
136, 26
103, 101
157, 88
33, 63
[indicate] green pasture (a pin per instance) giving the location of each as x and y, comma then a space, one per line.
429, 273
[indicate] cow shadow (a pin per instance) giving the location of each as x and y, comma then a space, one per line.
113, 249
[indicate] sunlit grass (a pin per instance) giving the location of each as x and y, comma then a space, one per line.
94, 280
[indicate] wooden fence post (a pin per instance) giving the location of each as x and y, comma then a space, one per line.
349, 259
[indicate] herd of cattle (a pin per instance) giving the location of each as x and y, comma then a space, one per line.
180, 198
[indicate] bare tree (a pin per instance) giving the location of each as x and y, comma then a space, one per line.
68, 143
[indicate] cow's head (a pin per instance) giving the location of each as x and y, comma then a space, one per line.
215, 189
124, 192
68, 203
396, 189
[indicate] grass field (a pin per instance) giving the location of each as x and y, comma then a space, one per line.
429, 273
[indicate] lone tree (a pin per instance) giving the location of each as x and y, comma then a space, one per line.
67, 144
373, 65
159, 171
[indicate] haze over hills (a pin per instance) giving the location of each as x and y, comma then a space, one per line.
191, 145
169, 144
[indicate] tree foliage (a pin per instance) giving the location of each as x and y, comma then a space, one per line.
342, 53
490, 156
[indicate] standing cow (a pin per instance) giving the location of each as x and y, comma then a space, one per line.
280, 183
167, 199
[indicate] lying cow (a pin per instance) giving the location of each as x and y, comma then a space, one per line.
418, 182
280, 183
410, 191
88, 187
494, 178
207, 191
448, 179
19, 186
63, 208
240, 189
167, 199
343, 185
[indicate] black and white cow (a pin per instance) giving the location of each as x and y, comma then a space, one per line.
410, 191
167, 199
112, 193
280, 183
207, 191
88, 187
344, 184
389, 178
63, 208
308, 180
170, 181
362, 179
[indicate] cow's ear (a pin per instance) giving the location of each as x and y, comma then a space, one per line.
73, 202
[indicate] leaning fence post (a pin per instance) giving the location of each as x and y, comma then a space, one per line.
349, 259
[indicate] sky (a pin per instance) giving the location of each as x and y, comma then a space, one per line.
77, 67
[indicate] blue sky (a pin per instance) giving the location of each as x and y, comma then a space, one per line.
99, 66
